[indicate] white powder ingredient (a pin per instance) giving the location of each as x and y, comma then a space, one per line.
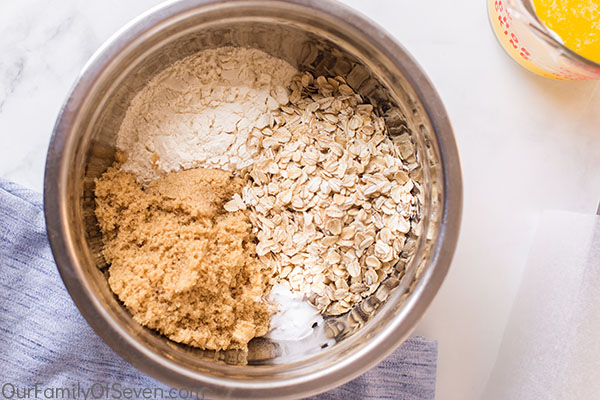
198, 112
295, 318
298, 327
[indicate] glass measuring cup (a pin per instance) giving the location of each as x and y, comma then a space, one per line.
529, 42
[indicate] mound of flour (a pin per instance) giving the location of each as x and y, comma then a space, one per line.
198, 112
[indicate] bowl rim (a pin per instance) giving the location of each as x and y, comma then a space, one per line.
56, 178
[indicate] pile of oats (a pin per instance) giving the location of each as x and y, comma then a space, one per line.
330, 196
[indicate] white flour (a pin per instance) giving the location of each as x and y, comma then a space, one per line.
199, 111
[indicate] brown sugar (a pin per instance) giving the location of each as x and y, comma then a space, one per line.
180, 263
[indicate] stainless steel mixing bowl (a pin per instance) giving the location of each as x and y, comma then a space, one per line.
320, 36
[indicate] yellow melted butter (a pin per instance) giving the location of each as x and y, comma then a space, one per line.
577, 22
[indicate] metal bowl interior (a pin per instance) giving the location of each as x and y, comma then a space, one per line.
322, 37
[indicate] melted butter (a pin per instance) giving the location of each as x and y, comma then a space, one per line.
576, 22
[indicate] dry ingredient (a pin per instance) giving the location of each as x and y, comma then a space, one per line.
297, 326
179, 262
330, 195
199, 112
295, 318
326, 198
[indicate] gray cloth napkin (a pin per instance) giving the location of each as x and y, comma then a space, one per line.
44, 339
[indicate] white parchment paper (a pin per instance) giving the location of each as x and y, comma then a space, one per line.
551, 346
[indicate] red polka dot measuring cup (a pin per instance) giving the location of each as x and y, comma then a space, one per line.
536, 47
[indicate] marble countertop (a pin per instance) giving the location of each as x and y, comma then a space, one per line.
526, 144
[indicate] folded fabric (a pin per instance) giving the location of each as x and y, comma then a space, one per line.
45, 340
